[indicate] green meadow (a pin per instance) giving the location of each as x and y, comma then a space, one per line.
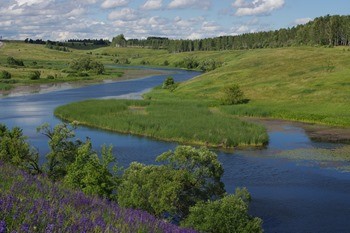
309, 84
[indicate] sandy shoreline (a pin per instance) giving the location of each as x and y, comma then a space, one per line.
49, 87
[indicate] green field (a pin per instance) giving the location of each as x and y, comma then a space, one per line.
309, 84
52, 64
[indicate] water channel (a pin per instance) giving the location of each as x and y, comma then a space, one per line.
289, 195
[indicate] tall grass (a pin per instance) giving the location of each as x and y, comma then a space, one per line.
34, 204
188, 122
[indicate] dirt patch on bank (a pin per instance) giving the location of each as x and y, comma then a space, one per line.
315, 132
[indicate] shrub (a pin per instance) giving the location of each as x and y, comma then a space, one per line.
226, 215
169, 84
14, 62
232, 95
209, 65
122, 61
87, 64
50, 77
35, 75
5, 75
166, 63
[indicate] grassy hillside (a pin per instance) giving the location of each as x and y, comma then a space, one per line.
302, 83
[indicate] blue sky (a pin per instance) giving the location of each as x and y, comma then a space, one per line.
186, 19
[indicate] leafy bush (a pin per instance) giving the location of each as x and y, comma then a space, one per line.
50, 76
144, 62
87, 64
35, 75
232, 95
209, 65
5, 75
166, 63
227, 215
188, 175
189, 62
168, 82
122, 61
14, 62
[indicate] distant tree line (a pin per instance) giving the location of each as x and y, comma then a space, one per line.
322, 31
91, 41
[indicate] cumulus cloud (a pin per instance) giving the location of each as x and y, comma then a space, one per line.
180, 4
152, 5
114, 3
125, 14
256, 7
302, 21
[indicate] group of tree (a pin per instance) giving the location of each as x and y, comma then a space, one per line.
185, 186
87, 64
323, 31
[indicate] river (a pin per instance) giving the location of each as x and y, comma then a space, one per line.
289, 195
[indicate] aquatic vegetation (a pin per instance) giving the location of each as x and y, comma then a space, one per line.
29, 204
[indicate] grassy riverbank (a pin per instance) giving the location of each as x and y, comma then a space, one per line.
187, 122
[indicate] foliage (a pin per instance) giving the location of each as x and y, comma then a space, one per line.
155, 189
169, 83
122, 61
35, 204
63, 149
5, 75
186, 176
232, 95
189, 62
15, 149
119, 41
166, 63
91, 174
14, 62
204, 168
87, 64
35, 75
227, 215
209, 65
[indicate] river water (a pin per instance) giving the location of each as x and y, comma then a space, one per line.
289, 195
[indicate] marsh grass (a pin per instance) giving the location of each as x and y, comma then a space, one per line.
186, 122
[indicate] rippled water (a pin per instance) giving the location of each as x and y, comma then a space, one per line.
289, 195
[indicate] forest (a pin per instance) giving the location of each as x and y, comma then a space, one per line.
322, 31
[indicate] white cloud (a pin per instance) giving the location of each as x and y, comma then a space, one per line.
302, 21
29, 2
180, 4
256, 7
126, 14
152, 5
114, 3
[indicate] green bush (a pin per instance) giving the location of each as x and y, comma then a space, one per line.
14, 62
87, 64
122, 61
35, 75
5, 75
166, 63
168, 83
226, 215
232, 95
50, 77
209, 65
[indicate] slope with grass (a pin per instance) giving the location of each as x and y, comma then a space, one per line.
35, 204
299, 83
53, 66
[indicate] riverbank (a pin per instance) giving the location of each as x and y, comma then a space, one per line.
128, 74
